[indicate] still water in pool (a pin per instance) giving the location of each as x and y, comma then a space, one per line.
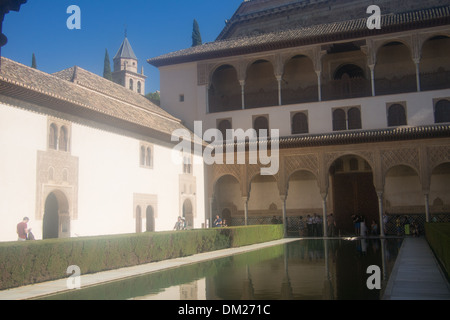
304, 269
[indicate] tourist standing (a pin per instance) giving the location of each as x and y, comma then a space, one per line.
217, 222
22, 229
178, 225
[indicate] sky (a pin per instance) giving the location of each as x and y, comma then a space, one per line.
153, 28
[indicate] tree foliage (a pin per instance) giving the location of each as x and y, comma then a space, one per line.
107, 67
196, 36
154, 97
33, 61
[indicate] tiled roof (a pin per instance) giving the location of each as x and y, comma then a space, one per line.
80, 93
338, 31
355, 137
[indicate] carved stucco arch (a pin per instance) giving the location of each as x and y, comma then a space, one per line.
366, 155
295, 163
436, 156
409, 157
212, 68
221, 171
252, 171
423, 38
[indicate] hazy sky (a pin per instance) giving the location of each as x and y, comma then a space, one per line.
153, 27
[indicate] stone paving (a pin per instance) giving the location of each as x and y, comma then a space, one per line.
417, 274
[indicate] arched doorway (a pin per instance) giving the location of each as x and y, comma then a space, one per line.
56, 222
261, 86
188, 213
264, 200
403, 195
435, 63
303, 199
224, 93
353, 192
150, 219
299, 81
227, 196
395, 71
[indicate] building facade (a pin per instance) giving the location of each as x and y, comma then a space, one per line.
83, 156
362, 114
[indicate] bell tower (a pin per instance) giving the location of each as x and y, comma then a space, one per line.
125, 69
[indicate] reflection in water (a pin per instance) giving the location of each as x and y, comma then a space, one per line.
305, 269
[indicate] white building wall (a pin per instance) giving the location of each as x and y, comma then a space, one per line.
109, 176
177, 81
19, 144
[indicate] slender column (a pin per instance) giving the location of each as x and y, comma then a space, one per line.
242, 83
372, 79
279, 78
207, 97
417, 63
208, 222
324, 207
427, 207
319, 84
283, 199
380, 210
245, 199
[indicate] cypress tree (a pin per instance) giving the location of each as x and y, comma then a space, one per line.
107, 67
196, 36
33, 61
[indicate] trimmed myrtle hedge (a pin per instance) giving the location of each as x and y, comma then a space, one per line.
438, 236
28, 262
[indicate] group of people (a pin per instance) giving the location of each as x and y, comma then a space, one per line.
361, 227
24, 233
314, 225
180, 224
405, 227
218, 222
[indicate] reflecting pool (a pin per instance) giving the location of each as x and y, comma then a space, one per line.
300, 270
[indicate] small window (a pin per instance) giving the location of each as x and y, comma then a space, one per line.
396, 115
146, 156
131, 84
53, 137
261, 123
348, 118
354, 119
442, 111
181, 97
187, 165
139, 87
339, 120
299, 123
63, 139
223, 126
142, 162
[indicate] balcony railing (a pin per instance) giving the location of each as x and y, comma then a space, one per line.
331, 90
